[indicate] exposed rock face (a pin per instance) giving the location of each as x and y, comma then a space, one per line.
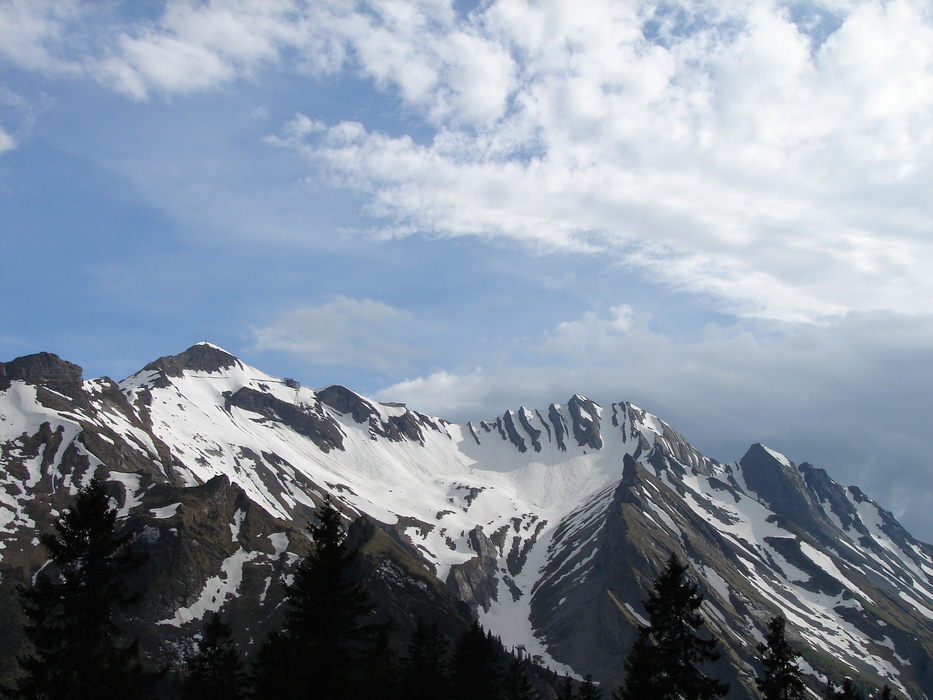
783, 487
475, 582
509, 424
320, 428
342, 399
403, 589
41, 368
202, 357
45, 369
534, 433
560, 426
393, 427
585, 416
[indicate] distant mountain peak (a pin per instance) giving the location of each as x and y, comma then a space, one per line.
202, 357
41, 368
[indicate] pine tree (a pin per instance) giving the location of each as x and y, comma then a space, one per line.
886, 693
848, 691
476, 666
324, 651
589, 690
424, 673
781, 679
642, 668
566, 689
516, 685
215, 672
377, 673
71, 608
663, 663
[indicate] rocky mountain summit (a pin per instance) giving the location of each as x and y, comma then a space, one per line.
548, 525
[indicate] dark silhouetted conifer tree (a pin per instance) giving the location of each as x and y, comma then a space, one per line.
215, 672
324, 650
781, 678
848, 691
566, 689
424, 673
70, 610
589, 690
664, 661
516, 684
476, 668
376, 676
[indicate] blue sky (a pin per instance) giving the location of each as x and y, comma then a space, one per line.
719, 211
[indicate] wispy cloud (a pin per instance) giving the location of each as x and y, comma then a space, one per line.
342, 332
730, 157
45, 36
6, 141
776, 159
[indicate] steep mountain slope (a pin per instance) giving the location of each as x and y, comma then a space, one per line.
546, 524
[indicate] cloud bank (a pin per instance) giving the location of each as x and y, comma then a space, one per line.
852, 394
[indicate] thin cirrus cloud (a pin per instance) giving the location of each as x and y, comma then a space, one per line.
341, 332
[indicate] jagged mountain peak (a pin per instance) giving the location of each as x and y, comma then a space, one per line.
344, 400
201, 357
784, 487
41, 368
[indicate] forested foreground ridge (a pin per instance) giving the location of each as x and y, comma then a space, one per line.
556, 535
332, 645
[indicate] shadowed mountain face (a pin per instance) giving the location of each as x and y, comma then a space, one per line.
548, 525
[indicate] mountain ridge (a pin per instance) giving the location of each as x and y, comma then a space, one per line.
548, 524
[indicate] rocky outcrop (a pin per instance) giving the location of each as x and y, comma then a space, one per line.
560, 427
584, 416
345, 401
45, 369
782, 487
524, 418
508, 423
394, 427
403, 589
475, 581
202, 357
314, 425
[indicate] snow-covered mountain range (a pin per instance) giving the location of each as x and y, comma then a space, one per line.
548, 524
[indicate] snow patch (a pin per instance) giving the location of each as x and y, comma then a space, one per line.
165, 511
216, 590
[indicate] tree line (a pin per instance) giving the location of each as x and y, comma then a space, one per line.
328, 647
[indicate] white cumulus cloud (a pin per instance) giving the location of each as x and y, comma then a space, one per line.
775, 158
782, 174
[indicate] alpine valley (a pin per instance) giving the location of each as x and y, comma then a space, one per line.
548, 525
